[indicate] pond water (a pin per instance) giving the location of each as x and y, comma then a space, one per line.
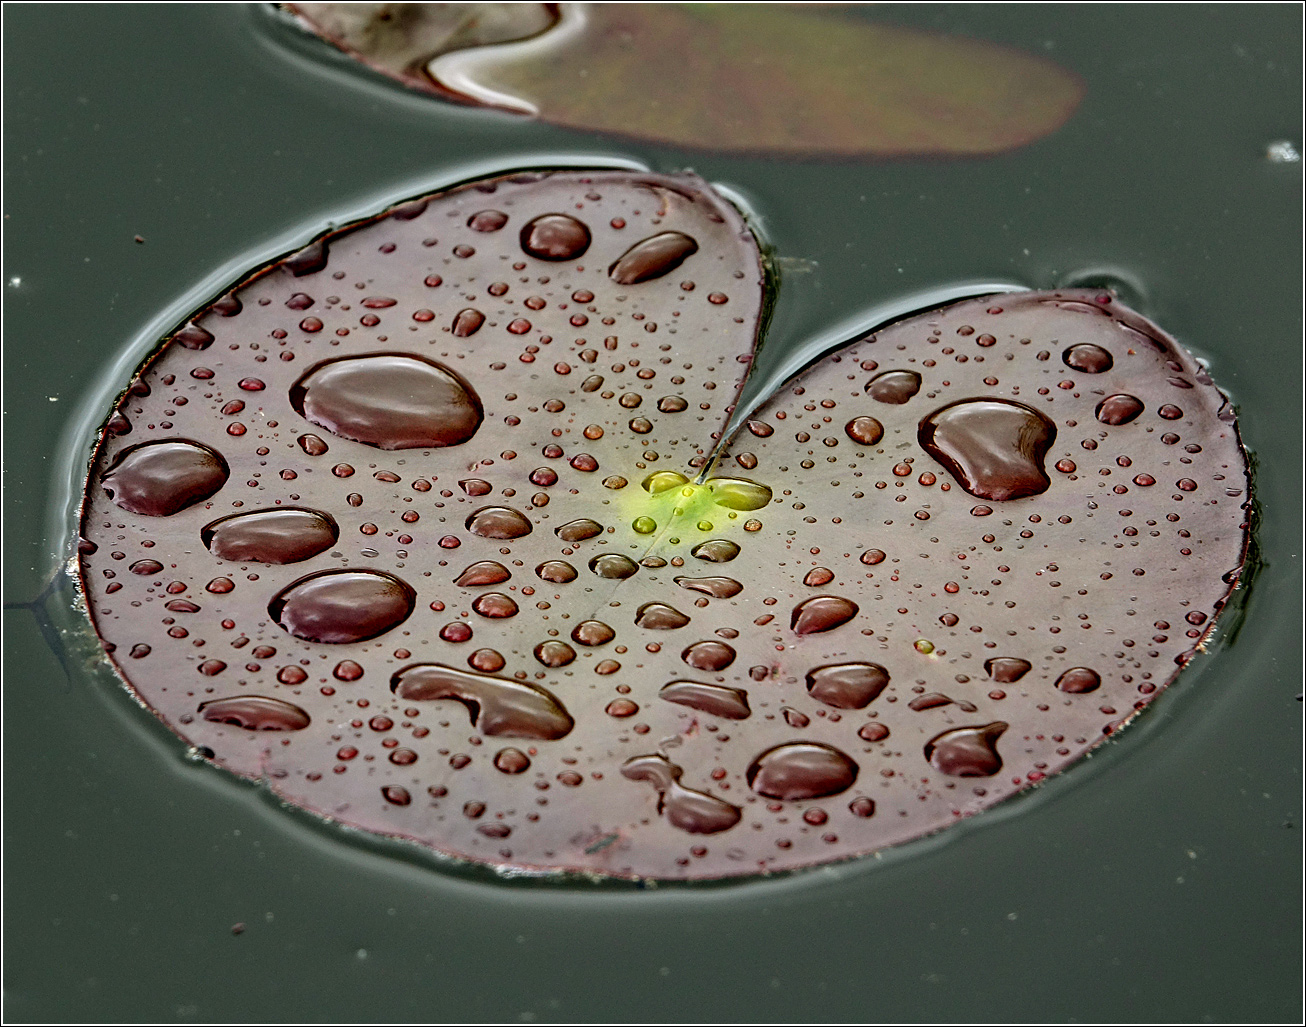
1159, 880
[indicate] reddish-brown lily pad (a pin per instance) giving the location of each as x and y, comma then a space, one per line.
755, 78
463, 585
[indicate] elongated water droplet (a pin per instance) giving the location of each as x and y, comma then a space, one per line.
483, 572
894, 386
716, 587
390, 401
255, 713
716, 700
579, 530
501, 522
276, 536
801, 770
1006, 669
652, 258
994, 448
157, 479
847, 686
660, 617
555, 237
821, 613
717, 550
684, 808
338, 607
967, 751
497, 706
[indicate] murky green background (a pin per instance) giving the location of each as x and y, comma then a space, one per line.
1160, 880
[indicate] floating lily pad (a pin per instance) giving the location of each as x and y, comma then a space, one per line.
430, 527
767, 78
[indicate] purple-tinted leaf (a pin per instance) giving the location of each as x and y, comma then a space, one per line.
466, 587
773, 78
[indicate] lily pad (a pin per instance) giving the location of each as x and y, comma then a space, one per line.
755, 78
429, 527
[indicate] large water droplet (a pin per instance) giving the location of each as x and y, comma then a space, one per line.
613, 565
278, 536
157, 479
467, 322
866, 431
483, 572
847, 686
738, 493
495, 605
994, 448
1078, 680
1087, 358
709, 655
684, 808
716, 587
1006, 669
661, 481
716, 700
501, 522
660, 617
579, 530
894, 386
557, 571
1119, 409
967, 751
389, 400
821, 613
255, 713
555, 237
801, 770
717, 550
652, 258
592, 633
554, 653
498, 706
338, 607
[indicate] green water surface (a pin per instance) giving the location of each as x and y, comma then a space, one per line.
1160, 880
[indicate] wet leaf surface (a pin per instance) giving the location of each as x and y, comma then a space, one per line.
465, 587
774, 78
